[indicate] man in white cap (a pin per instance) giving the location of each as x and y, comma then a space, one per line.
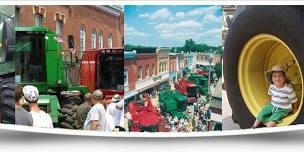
114, 114
40, 118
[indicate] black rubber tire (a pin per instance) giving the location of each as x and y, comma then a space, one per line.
69, 106
67, 111
7, 100
66, 125
284, 22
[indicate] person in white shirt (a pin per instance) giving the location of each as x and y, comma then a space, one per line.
40, 118
283, 98
96, 119
114, 114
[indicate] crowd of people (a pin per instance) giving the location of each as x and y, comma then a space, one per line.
92, 114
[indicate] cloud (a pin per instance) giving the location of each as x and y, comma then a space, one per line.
163, 14
130, 31
180, 14
211, 18
203, 11
143, 15
215, 31
190, 24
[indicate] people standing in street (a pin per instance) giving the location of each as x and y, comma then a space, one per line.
114, 114
40, 118
96, 119
83, 110
22, 117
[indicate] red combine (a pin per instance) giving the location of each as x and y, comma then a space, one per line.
145, 117
201, 72
188, 89
103, 69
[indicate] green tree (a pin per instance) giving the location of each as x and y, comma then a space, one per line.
189, 46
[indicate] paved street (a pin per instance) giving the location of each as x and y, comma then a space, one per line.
228, 124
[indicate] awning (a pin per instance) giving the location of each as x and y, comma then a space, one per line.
130, 94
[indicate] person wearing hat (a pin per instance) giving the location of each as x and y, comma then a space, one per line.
22, 117
114, 114
282, 101
40, 118
96, 119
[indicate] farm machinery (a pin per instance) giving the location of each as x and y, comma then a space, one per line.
7, 70
173, 103
103, 69
201, 81
144, 117
188, 89
40, 62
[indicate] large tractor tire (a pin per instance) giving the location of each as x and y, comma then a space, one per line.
69, 109
7, 100
260, 37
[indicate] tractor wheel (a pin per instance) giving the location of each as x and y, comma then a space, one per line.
70, 110
7, 101
67, 111
259, 38
66, 125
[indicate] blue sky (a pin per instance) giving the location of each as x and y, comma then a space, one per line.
168, 26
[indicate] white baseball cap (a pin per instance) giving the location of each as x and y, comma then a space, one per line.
30, 93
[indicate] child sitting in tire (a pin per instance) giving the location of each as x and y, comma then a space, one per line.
283, 98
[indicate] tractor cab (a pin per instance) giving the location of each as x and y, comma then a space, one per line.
103, 69
187, 88
201, 81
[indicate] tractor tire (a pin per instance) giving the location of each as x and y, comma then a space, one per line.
69, 110
69, 106
66, 125
258, 38
7, 100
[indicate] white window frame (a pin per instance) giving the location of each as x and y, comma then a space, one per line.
38, 20
59, 26
82, 39
100, 40
110, 41
93, 39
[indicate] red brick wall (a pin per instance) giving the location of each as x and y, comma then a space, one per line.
146, 59
75, 16
132, 73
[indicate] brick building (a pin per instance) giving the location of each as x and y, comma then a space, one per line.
91, 26
163, 67
130, 73
173, 67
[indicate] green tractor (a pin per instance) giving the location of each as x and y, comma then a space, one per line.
173, 103
201, 81
41, 62
7, 70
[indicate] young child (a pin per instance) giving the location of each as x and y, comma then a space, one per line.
283, 98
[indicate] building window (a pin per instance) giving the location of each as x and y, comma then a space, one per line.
147, 71
153, 69
93, 39
17, 12
82, 39
125, 77
139, 72
110, 41
38, 20
59, 25
100, 40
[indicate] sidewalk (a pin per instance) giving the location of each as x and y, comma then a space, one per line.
227, 123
